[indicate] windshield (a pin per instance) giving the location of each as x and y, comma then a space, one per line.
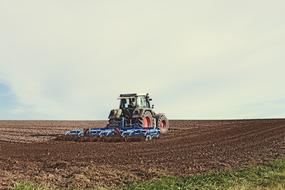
128, 103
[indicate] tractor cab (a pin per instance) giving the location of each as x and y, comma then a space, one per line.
126, 103
132, 101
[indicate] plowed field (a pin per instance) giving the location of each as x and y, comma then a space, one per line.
28, 151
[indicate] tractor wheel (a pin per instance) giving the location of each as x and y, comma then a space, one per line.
146, 120
114, 122
162, 123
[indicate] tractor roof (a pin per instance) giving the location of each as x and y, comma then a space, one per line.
133, 95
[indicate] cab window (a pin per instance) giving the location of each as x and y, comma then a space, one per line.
141, 102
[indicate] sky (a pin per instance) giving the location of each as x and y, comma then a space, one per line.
208, 59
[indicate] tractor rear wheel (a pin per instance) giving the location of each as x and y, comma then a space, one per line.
114, 122
162, 123
146, 120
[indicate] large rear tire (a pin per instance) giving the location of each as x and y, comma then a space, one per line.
162, 123
114, 122
145, 121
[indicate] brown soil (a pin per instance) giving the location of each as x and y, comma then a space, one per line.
28, 151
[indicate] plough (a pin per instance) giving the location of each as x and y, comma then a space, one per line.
123, 132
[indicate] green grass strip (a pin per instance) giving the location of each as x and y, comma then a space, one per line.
267, 176
263, 177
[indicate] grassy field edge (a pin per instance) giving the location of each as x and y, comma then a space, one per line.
270, 175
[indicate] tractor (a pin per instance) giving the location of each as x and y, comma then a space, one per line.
134, 118
136, 109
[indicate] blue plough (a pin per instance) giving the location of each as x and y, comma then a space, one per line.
121, 131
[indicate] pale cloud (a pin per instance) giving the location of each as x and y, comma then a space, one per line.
206, 59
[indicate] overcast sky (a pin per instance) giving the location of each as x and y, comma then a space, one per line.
208, 59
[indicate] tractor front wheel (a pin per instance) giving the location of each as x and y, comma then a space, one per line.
162, 123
